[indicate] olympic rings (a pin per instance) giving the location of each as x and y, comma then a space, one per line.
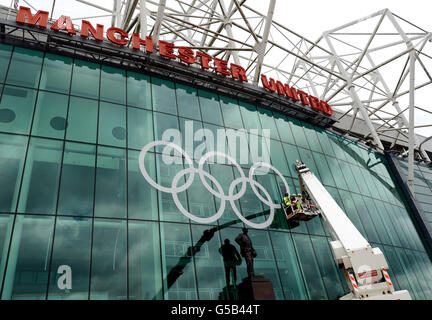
231, 197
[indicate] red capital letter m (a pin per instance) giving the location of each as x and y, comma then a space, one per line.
40, 17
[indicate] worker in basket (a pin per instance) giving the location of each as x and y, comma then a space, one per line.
299, 202
287, 204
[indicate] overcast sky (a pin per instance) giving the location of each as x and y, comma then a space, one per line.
308, 18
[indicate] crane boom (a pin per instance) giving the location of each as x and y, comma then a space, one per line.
365, 268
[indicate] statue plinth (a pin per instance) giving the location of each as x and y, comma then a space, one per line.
256, 288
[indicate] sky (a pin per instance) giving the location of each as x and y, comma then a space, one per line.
308, 18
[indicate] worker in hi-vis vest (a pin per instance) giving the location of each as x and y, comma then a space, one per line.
287, 203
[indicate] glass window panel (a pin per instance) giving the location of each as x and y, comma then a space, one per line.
165, 171
209, 264
109, 260
350, 179
29, 258
16, 109
77, 180
306, 156
194, 140
210, 107
396, 273
12, 155
50, 116
407, 266
337, 143
41, 177
325, 142
82, 120
177, 264
422, 270
323, 169
138, 90
25, 67
336, 173
72, 245
327, 266
378, 219
264, 263
363, 213
6, 223
250, 118
224, 175
5, 54
267, 122
288, 265
163, 95
145, 278
312, 137
110, 199
187, 101
112, 125
164, 124
85, 79
284, 128
299, 134
278, 157
140, 127
56, 73
351, 211
292, 155
415, 269
142, 197
113, 85
361, 182
231, 113
309, 267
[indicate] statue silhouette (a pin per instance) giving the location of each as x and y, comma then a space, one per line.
231, 258
247, 250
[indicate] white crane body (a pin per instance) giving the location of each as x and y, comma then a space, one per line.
365, 268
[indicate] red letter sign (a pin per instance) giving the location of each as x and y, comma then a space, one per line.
269, 86
222, 67
137, 42
186, 55
238, 72
111, 32
166, 49
60, 25
24, 14
86, 27
204, 60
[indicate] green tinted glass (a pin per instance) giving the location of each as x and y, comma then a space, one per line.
163, 95
50, 116
25, 68
56, 73
187, 100
138, 90
113, 85
16, 109
5, 54
112, 124
82, 120
85, 79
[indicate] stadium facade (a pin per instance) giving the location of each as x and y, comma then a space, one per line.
75, 115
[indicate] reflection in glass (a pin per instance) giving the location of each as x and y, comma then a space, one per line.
187, 100
12, 154
71, 248
110, 198
16, 109
56, 73
138, 90
178, 269
85, 79
25, 62
50, 116
109, 260
77, 181
5, 54
112, 124
6, 223
113, 85
41, 177
163, 94
82, 120
28, 264
145, 279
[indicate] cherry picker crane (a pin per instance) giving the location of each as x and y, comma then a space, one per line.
365, 268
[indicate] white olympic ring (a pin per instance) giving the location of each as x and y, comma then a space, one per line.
231, 197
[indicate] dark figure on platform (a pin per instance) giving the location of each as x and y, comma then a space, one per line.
247, 250
231, 259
